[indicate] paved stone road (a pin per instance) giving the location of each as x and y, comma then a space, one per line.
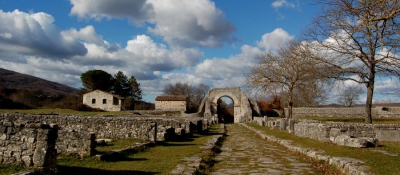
243, 152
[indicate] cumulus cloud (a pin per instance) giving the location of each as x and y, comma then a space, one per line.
35, 34
275, 39
185, 23
33, 41
234, 66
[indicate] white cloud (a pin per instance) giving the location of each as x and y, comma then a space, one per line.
184, 24
275, 39
234, 66
283, 3
35, 34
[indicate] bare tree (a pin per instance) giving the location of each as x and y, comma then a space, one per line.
349, 95
289, 71
195, 93
359, 38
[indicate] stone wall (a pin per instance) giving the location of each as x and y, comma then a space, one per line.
326, 131
170, 105
76, 142
351, 112
32, 144
347, 134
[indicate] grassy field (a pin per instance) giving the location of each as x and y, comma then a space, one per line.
118, 144
160, 159
379, 163
10, 169
59, 111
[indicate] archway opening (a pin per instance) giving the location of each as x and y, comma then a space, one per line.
225, 110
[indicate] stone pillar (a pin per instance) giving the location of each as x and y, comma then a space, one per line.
155, 132
291, 125
283, 124
45, 155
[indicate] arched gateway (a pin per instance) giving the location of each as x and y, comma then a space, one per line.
244, 108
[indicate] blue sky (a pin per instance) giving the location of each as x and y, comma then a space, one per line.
157, 41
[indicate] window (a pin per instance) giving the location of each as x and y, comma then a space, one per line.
93, 101
104, 101
115, 101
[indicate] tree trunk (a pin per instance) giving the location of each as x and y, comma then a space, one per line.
370, 93
290, 109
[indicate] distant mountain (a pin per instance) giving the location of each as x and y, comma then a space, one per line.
14, 80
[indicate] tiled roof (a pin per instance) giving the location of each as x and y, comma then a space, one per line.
171, 98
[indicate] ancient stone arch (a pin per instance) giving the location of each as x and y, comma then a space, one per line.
242, 105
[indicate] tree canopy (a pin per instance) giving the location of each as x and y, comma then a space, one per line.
289, 72
360, 39
97, 80
119, 84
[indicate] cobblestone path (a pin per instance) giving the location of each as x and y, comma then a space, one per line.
244, 152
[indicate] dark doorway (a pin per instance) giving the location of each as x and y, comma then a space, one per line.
225, 110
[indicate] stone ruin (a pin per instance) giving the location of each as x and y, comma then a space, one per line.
36, 140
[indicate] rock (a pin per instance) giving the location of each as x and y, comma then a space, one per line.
360, 142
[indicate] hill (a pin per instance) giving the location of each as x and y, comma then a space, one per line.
14, 80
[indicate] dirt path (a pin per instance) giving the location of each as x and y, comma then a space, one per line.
243, 152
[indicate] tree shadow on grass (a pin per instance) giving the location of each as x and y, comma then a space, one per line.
67, 170
168, 144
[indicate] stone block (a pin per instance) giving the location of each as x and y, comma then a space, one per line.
4, 137
361, 142
388, 135
27, 161
3, 129
43, 134
283, 124
39, 157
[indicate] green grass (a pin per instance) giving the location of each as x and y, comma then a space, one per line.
59, 111
10, 169
118, 144
354, 120
379, 163
160, 159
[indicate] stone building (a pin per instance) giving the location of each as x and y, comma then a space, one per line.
103, 100
171, 102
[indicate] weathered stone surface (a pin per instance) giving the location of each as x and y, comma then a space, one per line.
360, 142
353, 112
347, 165
19, 145
388, 135
328, 131
243, 152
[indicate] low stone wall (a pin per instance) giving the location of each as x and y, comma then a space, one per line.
351, 112
77, 133
325, 130
76, 142
32, 144
347, 134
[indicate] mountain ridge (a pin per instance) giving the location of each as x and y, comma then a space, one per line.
15, 80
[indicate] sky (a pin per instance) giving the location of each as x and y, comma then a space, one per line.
157, 41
